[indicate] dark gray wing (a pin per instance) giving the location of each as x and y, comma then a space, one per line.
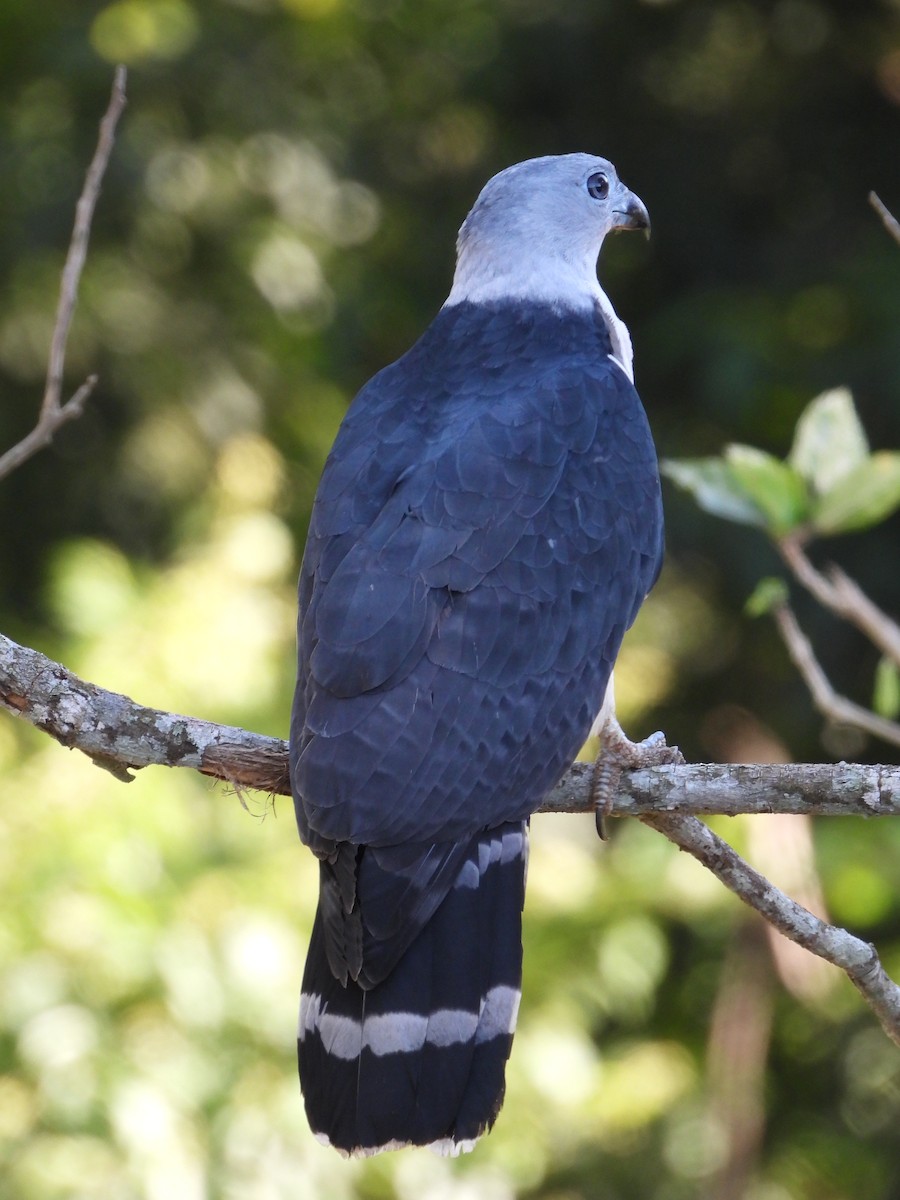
484, 534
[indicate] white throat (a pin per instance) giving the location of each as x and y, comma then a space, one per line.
480, 280
556, 283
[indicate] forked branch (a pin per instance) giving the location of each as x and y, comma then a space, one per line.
839, 594
830, 704
53, 413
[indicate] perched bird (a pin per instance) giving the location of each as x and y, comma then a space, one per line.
487, 525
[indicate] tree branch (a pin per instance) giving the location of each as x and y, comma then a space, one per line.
730, 789
891, 224
121, 736
54, 413
858, 959
838, 593
831, 705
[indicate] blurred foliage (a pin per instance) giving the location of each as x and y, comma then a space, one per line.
277, 223
829, 484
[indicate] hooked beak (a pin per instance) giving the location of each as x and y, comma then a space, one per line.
631, 213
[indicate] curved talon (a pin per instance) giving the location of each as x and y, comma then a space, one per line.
600, 822
607, 775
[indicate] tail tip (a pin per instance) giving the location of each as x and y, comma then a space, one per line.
444, 1147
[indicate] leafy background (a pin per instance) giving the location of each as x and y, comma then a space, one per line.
278, 223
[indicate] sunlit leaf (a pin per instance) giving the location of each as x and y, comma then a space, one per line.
769, 593
863, 497
829, 440
772, 485
886, 693
715, 488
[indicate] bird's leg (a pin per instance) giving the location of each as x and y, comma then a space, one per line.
617, 754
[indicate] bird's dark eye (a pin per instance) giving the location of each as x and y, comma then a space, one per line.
598, 186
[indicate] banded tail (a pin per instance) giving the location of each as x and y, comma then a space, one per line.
418, 1058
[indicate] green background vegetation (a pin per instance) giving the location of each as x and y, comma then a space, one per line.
277, 223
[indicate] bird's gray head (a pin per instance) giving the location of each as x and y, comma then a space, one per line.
536, 230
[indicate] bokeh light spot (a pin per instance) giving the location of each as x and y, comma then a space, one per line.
250, 471
287, 272
134, 30
91, 586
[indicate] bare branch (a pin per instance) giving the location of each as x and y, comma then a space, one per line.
729, 789
832, 706
75, 259
891, 224
856, 606
122, 736
838, 593
43, 432
857, 958
53, 413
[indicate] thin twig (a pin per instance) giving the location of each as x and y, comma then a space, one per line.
857, 958
880, 629
53, 413
891, 224
838, 593
831, 705
43, 432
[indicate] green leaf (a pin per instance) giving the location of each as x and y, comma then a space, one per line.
772, 485
886, 694
829, 441
714, 487
769, 593
863, 497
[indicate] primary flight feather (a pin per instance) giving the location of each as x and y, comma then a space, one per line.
487, 525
